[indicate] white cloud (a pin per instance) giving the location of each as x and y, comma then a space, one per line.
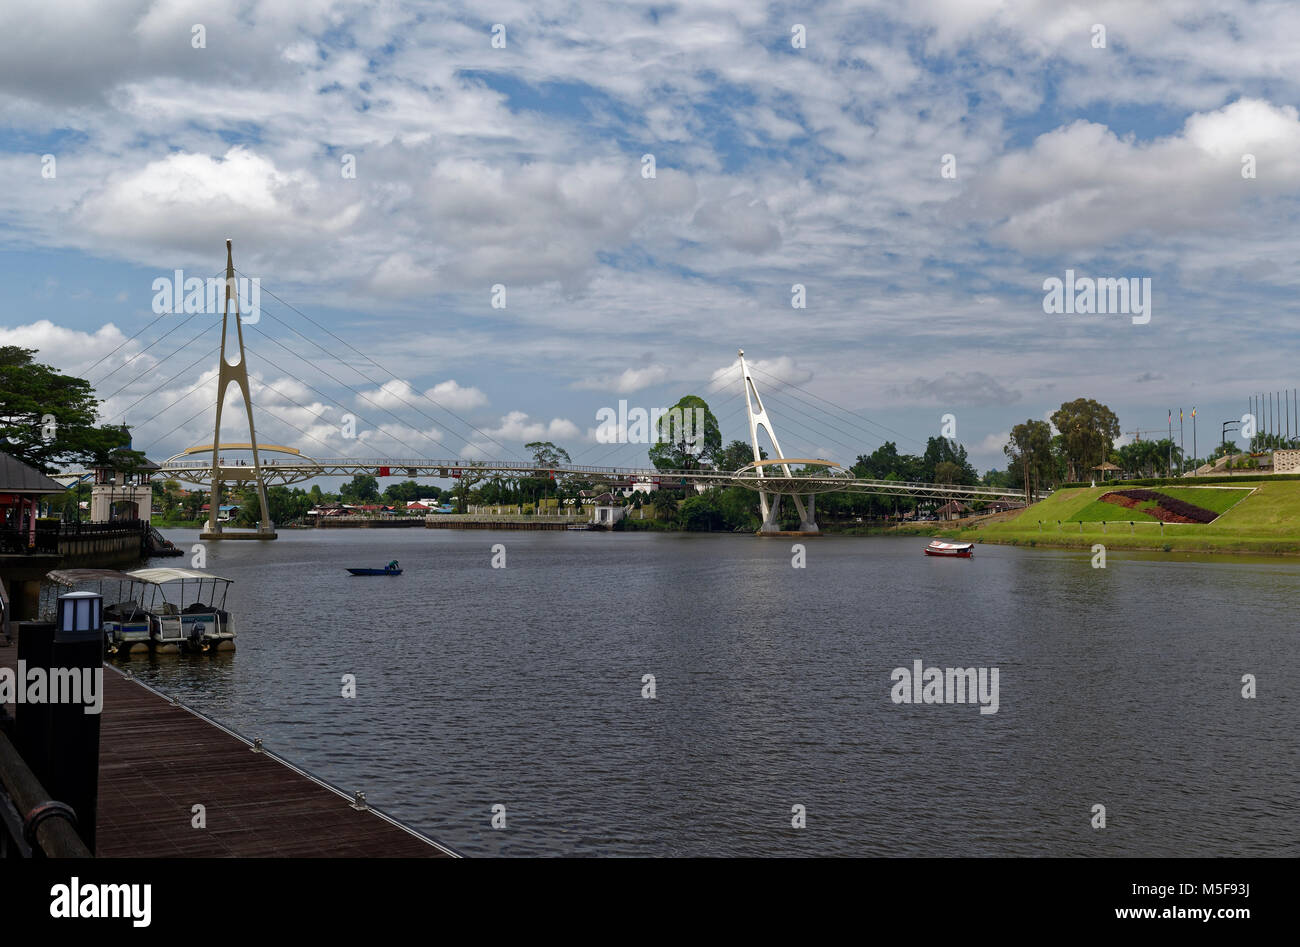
457, 397
517, 426
1082, 187
627, 381
992, 444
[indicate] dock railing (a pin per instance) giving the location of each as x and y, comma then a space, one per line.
31, 823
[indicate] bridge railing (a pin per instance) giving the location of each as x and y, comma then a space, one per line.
488, 467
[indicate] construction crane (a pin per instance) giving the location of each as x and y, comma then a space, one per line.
1137, 434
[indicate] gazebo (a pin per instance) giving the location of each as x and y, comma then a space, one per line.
1104, 467
22, 487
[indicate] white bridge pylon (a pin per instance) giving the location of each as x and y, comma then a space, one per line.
769, 502
228, 374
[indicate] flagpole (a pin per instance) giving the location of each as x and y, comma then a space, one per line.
1169, 466
1182, 459
1193, 437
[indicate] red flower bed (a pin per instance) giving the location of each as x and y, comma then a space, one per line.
1167, 508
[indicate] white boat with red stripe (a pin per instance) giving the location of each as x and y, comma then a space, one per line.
959, 550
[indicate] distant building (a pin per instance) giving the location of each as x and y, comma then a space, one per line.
607, 514
952, 509
122, 493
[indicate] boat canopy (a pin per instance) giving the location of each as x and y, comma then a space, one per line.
77, 576
162, 575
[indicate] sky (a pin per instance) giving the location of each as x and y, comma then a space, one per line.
385, 170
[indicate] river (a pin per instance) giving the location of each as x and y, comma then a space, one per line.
523, 687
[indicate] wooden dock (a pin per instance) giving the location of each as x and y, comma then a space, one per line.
158, 760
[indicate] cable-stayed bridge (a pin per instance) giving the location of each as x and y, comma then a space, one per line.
800, 479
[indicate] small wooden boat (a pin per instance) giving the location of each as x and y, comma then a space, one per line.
962, 550
391, 569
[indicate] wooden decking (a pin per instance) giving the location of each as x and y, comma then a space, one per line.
159, 760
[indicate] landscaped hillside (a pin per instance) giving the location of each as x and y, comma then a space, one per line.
1255, 516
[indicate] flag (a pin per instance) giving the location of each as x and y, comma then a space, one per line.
1171, 415
1193, 412
1180, 415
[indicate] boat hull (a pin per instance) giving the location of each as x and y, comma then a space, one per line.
950, 550
375, 571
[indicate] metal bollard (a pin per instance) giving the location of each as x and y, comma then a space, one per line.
32, 721
74, 733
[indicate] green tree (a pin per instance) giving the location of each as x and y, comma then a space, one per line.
48, 419
674, 449
946, 471
664, 505
546, 456
1088, 431
469, 476
192, 505
996, 478
396, 494
739, 508
363, 488
1030, 454
701, 512
285, 505
737, 454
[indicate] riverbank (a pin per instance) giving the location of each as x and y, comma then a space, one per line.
1265, 520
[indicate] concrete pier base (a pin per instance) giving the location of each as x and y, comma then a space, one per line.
269, 534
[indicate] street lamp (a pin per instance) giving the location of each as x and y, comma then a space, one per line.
1223, 435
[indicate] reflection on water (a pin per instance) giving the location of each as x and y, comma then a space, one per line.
522, 686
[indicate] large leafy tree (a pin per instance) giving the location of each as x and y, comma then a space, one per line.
407, 490
940, 451
363, 488
470, 476
673, 451
735, 455
49, 420
545, 455
886, 463
664, 505
1088, 431
1030, 455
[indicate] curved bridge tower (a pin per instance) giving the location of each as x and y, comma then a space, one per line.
234, 374
770, 503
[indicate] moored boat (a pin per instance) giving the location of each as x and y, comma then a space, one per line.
959, 550
138, 615
200, 626
391, 569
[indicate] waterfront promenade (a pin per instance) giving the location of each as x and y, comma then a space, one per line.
158, 760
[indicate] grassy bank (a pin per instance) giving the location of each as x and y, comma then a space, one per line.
1258, 516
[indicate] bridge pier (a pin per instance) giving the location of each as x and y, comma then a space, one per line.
771, 507
262, 532
808, 522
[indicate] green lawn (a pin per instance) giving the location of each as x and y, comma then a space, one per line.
1263, 519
